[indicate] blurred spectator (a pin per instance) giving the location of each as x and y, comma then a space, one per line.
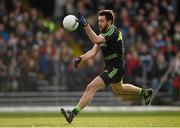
176, 77
3, 33
47, 53
177, 34
133, 67
3, 10
2, 46
159, 68
58, 8
3, 75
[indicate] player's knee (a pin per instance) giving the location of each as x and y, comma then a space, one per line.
117, 89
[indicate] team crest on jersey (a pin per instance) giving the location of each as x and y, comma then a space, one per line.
103, 45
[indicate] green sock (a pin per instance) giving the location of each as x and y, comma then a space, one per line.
143, 92
76, 110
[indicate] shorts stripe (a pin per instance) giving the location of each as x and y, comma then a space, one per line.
113, 72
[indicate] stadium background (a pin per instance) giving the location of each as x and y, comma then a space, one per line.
36, 52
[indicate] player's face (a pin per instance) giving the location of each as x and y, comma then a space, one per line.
102, 23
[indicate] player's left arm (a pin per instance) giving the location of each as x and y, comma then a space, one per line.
90, 54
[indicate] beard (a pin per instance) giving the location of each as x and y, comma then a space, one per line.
103, 29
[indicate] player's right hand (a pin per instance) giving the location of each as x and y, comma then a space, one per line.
77, 60
82, 21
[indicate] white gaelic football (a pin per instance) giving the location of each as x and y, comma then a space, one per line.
70, 22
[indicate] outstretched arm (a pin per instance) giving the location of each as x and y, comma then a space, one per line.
91, 53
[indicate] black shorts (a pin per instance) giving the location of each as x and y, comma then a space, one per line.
112, 75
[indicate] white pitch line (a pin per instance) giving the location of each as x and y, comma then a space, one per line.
90, 108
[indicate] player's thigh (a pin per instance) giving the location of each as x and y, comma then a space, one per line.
97, 84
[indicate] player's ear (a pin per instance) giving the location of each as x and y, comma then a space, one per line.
109, 22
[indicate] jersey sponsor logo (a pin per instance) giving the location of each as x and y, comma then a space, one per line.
112, 56
113, 72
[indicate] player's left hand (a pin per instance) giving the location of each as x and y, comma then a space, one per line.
77, 60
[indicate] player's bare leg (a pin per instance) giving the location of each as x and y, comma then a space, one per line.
120, 88
87, 97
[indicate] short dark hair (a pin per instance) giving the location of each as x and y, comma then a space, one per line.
109, 15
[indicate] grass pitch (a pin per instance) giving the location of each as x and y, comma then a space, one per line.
119, 119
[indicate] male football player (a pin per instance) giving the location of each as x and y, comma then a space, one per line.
111, 43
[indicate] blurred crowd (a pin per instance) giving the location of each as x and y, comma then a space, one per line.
36, 51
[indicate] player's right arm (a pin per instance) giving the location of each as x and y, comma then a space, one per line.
90, 54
